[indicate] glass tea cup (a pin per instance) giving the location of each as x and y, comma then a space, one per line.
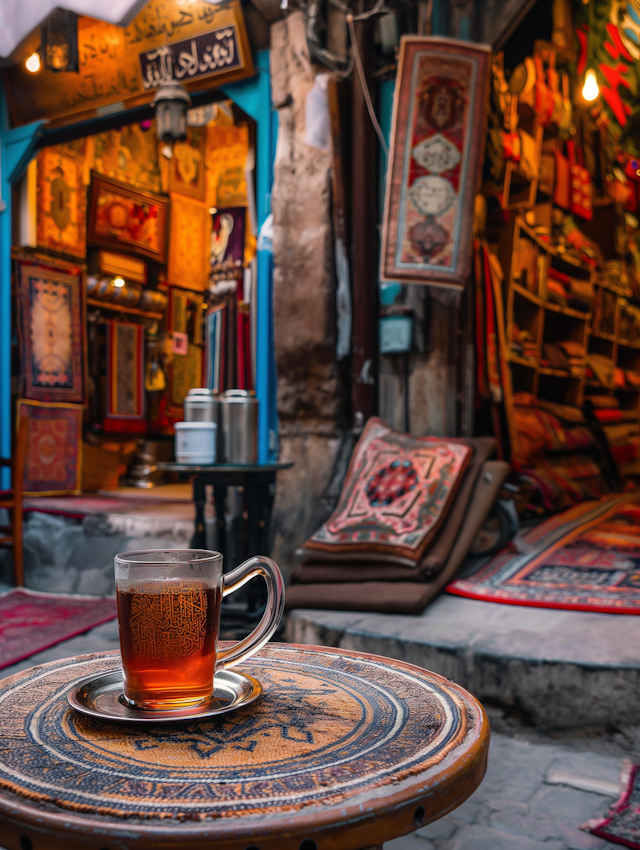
169, 622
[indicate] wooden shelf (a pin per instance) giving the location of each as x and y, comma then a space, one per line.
530, 296
558, 373
522, 361
547, 321
598, 386
550, 249
628, 344
567, 311
120, 308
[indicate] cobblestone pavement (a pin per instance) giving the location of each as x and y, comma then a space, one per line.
516, 808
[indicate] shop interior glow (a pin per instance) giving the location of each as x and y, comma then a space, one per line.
118, 281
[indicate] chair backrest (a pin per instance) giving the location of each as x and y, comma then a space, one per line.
20, 459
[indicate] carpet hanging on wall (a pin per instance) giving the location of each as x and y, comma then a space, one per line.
51, 332
54, 448
586, 559
125, 378
31, 622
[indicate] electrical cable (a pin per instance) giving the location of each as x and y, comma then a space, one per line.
365, 87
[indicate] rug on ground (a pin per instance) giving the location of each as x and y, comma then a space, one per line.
621, 824
31, 622
586, 558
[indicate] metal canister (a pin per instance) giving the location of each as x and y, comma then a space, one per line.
203, 405
239, 414
199, 406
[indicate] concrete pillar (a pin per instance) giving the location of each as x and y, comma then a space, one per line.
311, 397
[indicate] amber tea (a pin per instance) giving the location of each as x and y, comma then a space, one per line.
168, 640
169, 619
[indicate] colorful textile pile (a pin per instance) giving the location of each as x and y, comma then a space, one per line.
587, 559
523, 344
567, 356
568, 291
600, 369
624, 443
574, 352
555, 453
622, 431
408, 513
621, 824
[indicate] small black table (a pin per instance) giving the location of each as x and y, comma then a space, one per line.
258, 481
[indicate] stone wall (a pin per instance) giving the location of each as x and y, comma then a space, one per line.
311, 396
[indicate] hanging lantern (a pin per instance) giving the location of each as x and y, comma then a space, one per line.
171, 103
59, 37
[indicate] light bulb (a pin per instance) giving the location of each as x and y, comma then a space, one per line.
33, 63
118, 281
590, 89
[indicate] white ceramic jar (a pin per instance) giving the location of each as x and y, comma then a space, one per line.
196, 442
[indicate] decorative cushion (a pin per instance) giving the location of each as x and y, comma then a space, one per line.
395, 496
404, 597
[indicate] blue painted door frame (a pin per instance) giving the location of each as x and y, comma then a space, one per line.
17, 146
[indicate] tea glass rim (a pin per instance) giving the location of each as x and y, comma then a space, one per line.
128, 559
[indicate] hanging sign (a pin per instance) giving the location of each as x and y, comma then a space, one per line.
188, 60
121, 67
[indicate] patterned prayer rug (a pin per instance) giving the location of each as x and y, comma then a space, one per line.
54, 448
51, 330
396, 494
622, 823
587, 559
31, 622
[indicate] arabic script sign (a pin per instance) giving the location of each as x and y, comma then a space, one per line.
187, 60
185, 40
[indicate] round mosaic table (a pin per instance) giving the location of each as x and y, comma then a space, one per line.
343, 751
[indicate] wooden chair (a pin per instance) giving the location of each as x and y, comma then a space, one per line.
12, 500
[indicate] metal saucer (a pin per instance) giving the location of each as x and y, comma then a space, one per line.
102, 697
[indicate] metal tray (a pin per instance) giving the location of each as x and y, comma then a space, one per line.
102, 697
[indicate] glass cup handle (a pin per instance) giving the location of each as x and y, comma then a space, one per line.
268, 569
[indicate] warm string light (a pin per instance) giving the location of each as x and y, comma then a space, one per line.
118, 281
33, 63
590, 89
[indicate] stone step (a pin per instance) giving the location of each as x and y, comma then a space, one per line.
554, 668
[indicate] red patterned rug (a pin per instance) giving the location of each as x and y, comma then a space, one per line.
622, 823
31, 622
586, 558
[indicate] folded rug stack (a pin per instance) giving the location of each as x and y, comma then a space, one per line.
524, 344
554, 453
409, 511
